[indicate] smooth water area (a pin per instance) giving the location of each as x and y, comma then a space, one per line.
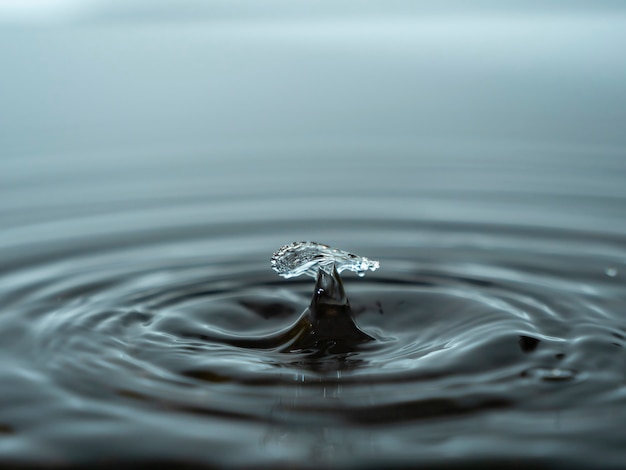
145, 184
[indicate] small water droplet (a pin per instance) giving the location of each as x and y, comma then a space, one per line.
611, 271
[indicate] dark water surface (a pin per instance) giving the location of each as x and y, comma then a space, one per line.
151, 166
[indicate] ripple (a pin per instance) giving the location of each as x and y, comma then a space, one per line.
551, 375
156, 330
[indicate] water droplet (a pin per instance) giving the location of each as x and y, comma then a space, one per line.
611, 271
309, 257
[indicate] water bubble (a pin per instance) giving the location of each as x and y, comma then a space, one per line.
611, 271
309, 257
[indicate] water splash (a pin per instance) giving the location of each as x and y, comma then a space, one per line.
332, 328
309, 257
327, 325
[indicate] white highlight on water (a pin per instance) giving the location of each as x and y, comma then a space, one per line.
309, 257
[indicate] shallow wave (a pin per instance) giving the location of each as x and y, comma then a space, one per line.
138, 328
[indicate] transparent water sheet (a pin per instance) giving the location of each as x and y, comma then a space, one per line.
308, 258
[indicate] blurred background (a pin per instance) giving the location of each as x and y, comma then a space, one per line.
107, 102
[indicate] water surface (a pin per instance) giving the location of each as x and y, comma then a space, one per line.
152, 164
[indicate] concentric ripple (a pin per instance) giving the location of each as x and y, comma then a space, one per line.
168, 336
